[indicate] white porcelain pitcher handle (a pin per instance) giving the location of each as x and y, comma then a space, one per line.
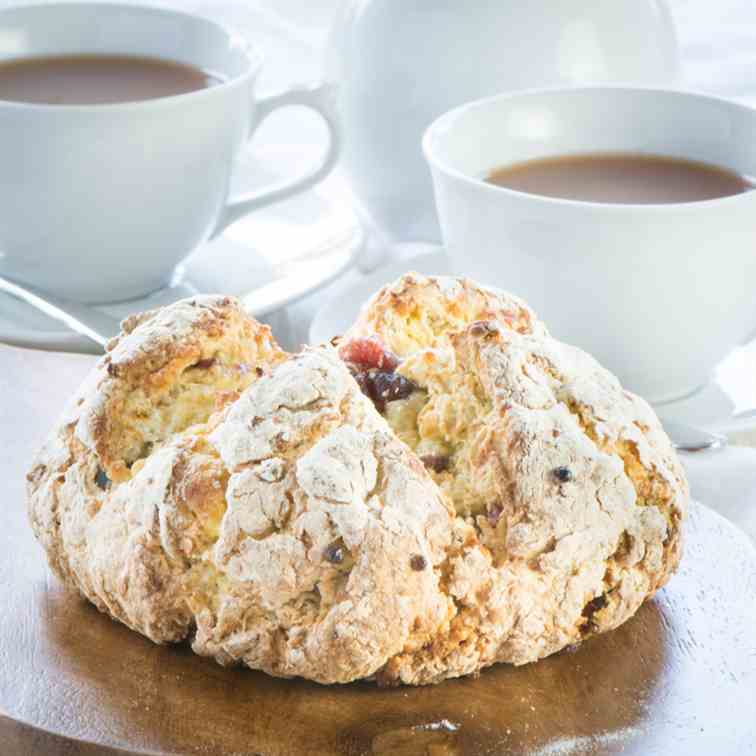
320, 98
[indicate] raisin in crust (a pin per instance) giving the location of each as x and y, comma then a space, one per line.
568, 495
204, 485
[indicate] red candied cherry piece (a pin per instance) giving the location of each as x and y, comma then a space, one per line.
368, 353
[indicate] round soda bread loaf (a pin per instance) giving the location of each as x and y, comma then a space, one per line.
567, 493
457, 489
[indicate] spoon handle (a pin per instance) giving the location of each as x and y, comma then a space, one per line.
83, 319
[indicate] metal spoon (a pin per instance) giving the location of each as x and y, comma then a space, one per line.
87, 321
689, 439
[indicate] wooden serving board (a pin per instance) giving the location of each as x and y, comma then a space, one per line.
678, 678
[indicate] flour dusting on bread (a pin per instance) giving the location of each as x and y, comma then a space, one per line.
448, 489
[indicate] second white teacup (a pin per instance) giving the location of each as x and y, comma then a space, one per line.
100, 203
659, 293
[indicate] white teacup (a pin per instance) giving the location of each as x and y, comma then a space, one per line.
659, 293
100, 203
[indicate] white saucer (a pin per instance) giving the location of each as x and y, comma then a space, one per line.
268, 260
725, 404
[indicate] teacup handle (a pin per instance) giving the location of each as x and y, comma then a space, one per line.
320, 98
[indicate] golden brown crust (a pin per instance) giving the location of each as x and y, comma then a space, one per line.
417, 310
205, 485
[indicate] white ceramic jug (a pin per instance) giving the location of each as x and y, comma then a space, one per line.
401, 63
